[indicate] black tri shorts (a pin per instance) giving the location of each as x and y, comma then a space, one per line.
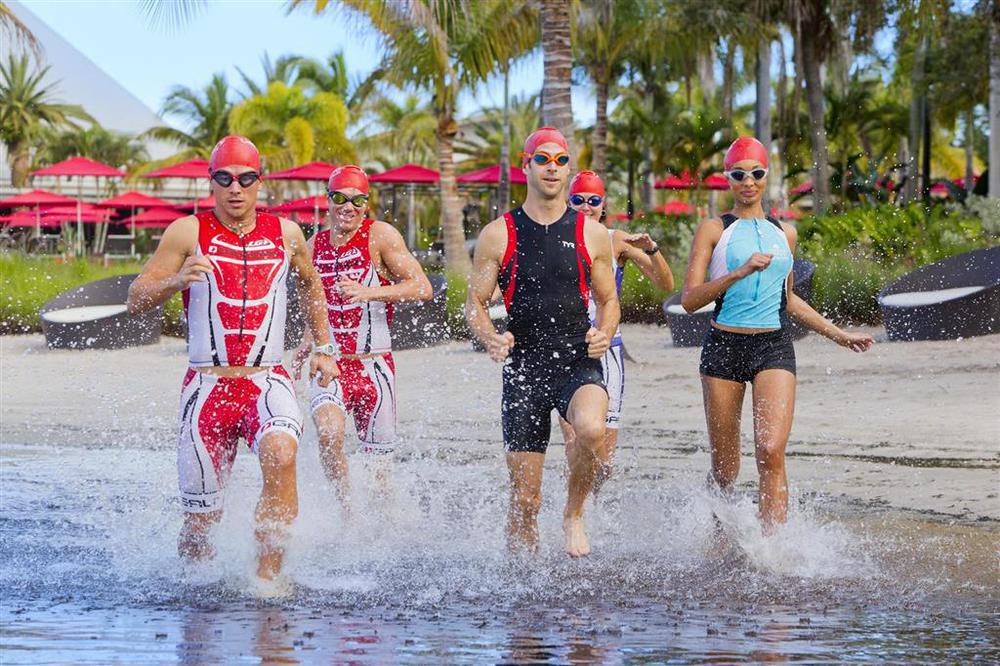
738, 357
534, 384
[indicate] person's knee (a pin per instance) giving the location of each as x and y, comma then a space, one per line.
590, 431
770, 455
277, 452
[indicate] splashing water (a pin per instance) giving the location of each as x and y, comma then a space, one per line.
89, 539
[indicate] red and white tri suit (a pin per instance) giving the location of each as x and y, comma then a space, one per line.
236, 318
366, 388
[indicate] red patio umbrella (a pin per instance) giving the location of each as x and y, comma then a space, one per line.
310, 171
80, 166
26, 218
408, 174
804, 188
675, 208
715, 181
191, 169
491, 176
156, 218
133, 200
36, 198
312, 204
685, 181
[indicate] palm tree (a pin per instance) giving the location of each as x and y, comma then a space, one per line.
992, 14
26, 106
604, 34
205, 112
283, 70
291, 128
15, 31
94, 142
557, 55
441, 47
400, 133
482, 135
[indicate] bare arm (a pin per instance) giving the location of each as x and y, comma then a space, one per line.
172, 268
409, 283
482, 284
814, 321
698, 293
633, 247
602, 283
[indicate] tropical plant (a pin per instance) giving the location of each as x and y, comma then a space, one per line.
442, 48
482, 135
398, 133
292, 128
205, 112
95, 142
26, 107
15, 31
557, 56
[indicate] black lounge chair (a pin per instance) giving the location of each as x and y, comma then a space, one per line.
425, 323
93, 316
958, 297
688, 330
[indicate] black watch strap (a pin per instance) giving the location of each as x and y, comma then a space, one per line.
653, 251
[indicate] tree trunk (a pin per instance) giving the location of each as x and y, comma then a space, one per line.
782, 123
599, 140
817, 114
762, 107
557, 52
649, 180
969, 150
925, 189
19, 158
800, 69
728, 68
503, 191
917, 94
994, 166
630, 202
706, 75
455, 255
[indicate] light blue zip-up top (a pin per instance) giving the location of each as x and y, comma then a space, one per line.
758, 300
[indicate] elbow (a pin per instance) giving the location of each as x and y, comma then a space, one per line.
688, 303
133, 304
425, 291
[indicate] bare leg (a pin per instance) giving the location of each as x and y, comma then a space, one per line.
279, 501
587, 411
330, 423
773, 409
605, 455
525, 471
723, 404
193, 544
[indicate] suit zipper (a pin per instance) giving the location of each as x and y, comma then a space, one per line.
246, 267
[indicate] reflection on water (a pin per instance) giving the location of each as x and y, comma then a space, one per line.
89, 574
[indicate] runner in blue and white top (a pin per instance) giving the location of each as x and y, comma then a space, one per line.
748, 259
587, 196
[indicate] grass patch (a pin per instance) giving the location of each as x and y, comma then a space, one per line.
27, 283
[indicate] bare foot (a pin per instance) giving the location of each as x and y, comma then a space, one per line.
577, 544
271, 588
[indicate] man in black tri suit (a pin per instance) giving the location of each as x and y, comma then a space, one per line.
547, 260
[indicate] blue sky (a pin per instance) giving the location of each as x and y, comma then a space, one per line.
149, 60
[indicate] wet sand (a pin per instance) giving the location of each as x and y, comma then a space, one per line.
913, 426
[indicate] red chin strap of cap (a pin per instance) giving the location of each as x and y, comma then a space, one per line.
540, 137
347, 177
586, 181
745, 148
234, 149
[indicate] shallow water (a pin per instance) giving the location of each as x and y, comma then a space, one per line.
88, 572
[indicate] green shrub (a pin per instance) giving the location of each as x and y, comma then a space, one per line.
458, 287
27, 283
641, 301
858, 252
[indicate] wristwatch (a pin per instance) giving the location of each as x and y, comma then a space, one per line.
329, 349
653, 251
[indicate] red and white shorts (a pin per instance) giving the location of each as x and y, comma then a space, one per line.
215, 413
365, 389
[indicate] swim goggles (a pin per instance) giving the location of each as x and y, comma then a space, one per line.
225, 179
578, 200
738, 175
339, 198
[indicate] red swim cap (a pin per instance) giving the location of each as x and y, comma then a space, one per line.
745, 148
586, 181
346, 177
232, 150
540, 137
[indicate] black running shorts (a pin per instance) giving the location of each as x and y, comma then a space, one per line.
738, 357
533, 385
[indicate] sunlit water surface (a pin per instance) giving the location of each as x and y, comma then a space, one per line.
89, 572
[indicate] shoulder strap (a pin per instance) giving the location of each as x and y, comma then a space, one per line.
727, 219
511, 238
774, 221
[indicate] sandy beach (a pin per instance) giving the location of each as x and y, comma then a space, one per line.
912, 426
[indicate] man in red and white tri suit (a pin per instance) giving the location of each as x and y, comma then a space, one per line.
231, 264
365, 268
